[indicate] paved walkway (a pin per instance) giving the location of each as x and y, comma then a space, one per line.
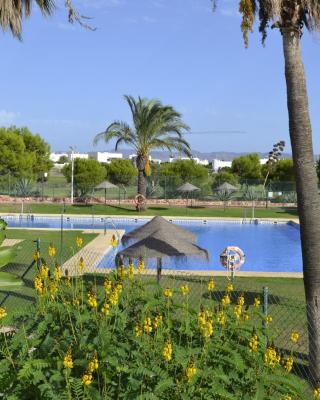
92, 253
10, 242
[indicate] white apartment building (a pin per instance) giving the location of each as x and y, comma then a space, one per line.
84, 156
195, 159
217, 164
55, 157
105, 156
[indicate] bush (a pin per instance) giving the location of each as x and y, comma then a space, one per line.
132, 339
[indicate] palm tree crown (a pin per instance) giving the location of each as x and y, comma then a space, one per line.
13, 11
154, 126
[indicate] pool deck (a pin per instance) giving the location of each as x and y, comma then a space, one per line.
92, 253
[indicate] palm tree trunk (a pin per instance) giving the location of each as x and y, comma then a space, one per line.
307, 188
142, 184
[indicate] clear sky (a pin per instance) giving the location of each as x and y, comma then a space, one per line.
67, 83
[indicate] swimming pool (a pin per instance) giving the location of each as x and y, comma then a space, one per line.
268, 247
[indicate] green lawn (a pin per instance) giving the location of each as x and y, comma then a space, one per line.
152, 210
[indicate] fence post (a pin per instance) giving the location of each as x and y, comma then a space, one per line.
38, 252
265, 306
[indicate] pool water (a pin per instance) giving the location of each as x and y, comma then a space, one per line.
267, 246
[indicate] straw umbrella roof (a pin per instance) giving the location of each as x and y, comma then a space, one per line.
187, 187
106, 185
159, 223
226, 186
160, 245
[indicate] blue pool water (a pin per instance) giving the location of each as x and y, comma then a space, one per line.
267, 246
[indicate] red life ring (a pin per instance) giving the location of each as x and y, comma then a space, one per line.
139, 200
232, 258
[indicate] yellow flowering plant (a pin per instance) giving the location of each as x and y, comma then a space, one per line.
132, 338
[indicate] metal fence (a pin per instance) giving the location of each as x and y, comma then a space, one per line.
158, 187
288, 312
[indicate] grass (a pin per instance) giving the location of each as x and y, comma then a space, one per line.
100, 209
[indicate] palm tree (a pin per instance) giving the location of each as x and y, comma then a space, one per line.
290, 17
13, 11
154, 126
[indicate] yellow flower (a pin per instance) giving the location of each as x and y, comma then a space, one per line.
107, 285
207, 329
130, 269
67, 361
76, 301
226, 300
93, 364
147, 325
105, 309
141, 265
316, 393
257, 302
121, 271
240, 300
167, 350
3, 312
238, 311
82, 264
229, 287
211, 285
205, 322
51, 250
53, 289
294, 336
287, 397
92, 300
201, 317
114, 241
184, 289
87, 378
157, 320
288, 363
57, 272
79, 241
44, 271
221, 318
68, 282
114, 297
253, 342
38, 284
191, 370
36, 255
138, 330
168, 292
269, 319
271, 357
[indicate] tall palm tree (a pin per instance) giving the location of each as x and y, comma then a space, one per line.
290, 17
154, 126
13, 11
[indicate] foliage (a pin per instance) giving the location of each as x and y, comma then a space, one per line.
63, 160
282, 171
23, 153
178, 172
247, 167
224, 176
318, 168
121, 172
136, 340
87, 174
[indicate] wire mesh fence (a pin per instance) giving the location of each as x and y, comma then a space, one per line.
283, 313
160, 187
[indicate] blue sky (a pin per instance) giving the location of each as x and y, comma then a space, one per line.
67, 83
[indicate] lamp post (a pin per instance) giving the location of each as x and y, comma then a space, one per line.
72, 148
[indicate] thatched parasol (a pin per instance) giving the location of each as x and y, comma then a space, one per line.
156, 224
226, 187
159, 238
188, 188
159, 245
106, 185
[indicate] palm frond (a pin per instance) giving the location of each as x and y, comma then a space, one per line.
117, 130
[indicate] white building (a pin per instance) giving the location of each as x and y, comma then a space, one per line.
195, 159
55, 157
84, 156
217, 164
104, 156
264, 161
